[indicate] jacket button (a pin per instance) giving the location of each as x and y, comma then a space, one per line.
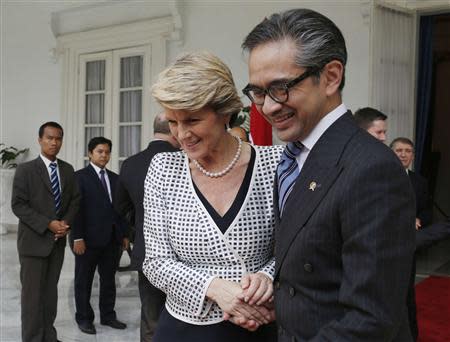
280, 330
277, 285
291, 291
308, 267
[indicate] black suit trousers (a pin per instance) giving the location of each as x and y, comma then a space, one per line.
39, 297
152, 303
106, 259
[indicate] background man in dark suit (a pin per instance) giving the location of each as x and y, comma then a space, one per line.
404, 149
98, 233
373, 121
343, 204
45, 198
129, 203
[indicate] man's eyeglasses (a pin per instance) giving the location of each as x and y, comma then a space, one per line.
279, 92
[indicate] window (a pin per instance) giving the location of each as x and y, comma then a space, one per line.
112, 101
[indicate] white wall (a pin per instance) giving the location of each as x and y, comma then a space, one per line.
31, 80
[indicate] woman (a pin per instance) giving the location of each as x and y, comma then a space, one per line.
208, 221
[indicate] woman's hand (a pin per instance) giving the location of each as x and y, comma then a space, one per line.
257, 288
226, 294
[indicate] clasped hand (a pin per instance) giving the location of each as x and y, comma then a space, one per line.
248, 304
59, 228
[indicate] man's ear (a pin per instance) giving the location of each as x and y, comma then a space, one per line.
333, 73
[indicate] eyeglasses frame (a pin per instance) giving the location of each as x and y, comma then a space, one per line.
287, 86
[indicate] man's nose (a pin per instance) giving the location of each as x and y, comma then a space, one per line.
270, 106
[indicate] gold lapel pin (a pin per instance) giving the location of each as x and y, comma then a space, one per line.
312, 186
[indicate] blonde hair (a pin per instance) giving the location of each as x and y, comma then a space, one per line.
197, 80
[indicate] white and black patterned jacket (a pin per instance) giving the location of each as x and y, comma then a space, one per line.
185, 250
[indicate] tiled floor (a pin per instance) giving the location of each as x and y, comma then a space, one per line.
127, 303
433, 261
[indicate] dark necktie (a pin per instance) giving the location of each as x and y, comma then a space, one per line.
103, 180
287, 172
54, 181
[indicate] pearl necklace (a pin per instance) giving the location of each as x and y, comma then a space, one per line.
224, 171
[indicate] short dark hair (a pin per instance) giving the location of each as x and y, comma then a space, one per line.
98, 141
318, 40
161, 125
402, 140
366, 116
50, 124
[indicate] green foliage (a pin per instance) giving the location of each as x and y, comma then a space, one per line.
243, 119
9, 154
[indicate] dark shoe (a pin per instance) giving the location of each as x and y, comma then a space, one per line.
116, 324
87, 328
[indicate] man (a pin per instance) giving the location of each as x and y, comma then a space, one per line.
129, 199
98, 234
344, 242
45, 198
373, 121
404, 149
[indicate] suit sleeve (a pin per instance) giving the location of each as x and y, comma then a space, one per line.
377, 228
123, 203
78, 220
20, 202
424, 211
75, 196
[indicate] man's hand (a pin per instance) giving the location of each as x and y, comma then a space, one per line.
225, 293
418, 223
258, 288
79, 247
125, 244
59, 228
249, 324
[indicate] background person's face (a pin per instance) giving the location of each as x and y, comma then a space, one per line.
100, 155
378, 129
293, 120
404, 152
51, 142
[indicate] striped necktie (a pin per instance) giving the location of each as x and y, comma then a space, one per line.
287, 172
54, 181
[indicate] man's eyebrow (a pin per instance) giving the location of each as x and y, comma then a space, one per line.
273, 82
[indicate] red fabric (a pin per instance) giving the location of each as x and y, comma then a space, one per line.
260, 129
433, 309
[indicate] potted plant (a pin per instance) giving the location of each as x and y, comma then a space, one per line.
8, 157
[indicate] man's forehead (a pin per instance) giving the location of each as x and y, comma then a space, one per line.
273, 61
404, 146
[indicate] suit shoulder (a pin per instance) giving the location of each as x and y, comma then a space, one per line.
62, 163
366, 152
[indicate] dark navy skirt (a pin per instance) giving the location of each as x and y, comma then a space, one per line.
170, 329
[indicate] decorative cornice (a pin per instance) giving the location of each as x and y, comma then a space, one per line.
110, 13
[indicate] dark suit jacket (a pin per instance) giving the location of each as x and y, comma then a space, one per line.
33, 203
344, 251
423, 202
97, 217
130, 194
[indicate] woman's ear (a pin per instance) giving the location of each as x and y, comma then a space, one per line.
333, 73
